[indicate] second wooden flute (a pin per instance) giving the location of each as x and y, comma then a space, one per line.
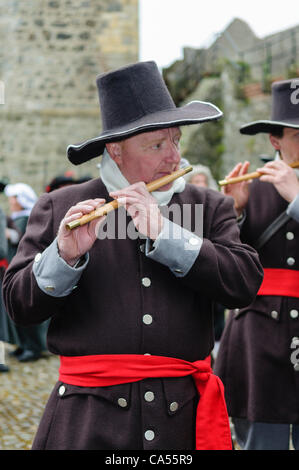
248, 176
111, 206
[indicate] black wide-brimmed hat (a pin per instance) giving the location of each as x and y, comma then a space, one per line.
135, 99
285, 109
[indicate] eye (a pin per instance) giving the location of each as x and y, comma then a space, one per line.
157, 146
176, 141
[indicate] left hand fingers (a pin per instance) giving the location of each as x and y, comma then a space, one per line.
275, 168
134, 195
128, 201
275, 165
137, 188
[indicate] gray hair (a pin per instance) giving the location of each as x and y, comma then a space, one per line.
204, 170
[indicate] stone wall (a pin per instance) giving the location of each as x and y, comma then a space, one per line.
235, 74
237, 112
219, 145
51, 53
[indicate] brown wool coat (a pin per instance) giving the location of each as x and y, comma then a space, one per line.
104, 315
254, 359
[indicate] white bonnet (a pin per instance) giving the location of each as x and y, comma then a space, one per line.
25, 195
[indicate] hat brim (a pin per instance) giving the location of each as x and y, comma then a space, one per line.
195, 112
268, 127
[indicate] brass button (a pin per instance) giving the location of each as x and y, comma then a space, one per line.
178, 270
50, 288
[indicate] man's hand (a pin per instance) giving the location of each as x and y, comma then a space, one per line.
283, 177
142, 207
72, 244
239, 191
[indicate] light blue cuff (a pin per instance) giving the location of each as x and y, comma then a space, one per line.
175, 247
53, 275
293, 208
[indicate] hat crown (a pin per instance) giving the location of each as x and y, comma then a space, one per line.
131, 92
284, 102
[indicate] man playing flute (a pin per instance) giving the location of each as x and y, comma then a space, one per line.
131, 317
258, 359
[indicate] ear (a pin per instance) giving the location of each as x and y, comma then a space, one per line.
275, 141
114, 150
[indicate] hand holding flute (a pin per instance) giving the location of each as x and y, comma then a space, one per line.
248, 176
137, 200
277, 172
152, 186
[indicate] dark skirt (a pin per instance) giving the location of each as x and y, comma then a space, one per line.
33, 338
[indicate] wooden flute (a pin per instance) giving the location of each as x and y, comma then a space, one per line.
111, 206
248, 176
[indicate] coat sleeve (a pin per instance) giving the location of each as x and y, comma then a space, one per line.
25, 302
226, 270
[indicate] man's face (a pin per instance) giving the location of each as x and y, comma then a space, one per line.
148, 156
288, 145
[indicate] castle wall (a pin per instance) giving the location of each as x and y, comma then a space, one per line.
51, 53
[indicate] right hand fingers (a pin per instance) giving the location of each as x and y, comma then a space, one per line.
84, 207
238, 170
77, 211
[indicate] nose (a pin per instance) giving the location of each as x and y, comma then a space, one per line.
172, 154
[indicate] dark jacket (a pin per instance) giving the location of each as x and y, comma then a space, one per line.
254, 359
104, 315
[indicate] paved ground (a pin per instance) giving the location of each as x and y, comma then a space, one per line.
23, 394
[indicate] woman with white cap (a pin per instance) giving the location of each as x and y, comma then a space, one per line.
21, 198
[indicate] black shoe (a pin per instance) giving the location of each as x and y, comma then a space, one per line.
16, 352
28, 356
4, 368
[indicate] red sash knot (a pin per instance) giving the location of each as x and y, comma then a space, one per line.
212, 423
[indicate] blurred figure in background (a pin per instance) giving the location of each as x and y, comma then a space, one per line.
4, 333
30, 341
66, 179
59, 182
201, 176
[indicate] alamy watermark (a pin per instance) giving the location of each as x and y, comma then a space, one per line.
295, 354
2, 92
295, 93
187, 217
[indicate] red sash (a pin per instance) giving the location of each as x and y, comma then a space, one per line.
282, 282
3, 263
212, 423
